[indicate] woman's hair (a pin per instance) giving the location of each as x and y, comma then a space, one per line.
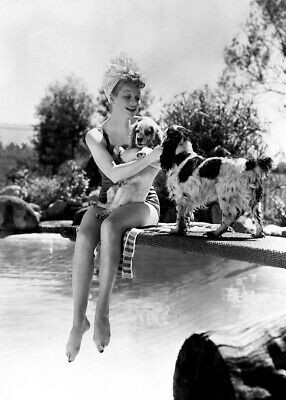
125, 81
118, 75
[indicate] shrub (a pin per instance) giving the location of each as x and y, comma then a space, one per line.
73, 180
43, 191
216, 119
279, 210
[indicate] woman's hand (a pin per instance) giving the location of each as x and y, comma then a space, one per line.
156, 153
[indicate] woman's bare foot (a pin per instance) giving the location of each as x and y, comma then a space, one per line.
101, 334
74, 342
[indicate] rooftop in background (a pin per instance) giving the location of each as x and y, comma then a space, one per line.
16, 133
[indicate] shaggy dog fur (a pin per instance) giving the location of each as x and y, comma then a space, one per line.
194, 181
145, 136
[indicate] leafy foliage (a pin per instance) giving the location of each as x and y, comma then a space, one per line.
14, 158
280, 210
217, 119
69, 183
64, 116
42, 191
274, 15
256, 58
102, 106
73, 180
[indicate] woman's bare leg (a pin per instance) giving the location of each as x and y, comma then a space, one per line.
112, 230
82, 271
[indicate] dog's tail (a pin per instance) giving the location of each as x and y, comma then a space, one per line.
262, 166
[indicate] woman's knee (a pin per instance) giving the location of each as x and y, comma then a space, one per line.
111, 228
89, 226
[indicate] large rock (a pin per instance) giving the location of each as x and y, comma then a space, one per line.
54, 226
57, 209
17, 215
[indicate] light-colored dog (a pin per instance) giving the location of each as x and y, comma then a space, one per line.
194, 182
145, 136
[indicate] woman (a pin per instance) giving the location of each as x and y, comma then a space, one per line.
122, 87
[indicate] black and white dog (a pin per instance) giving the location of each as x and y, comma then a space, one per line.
194, 182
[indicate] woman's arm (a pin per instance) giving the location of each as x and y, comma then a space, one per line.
106, 164
132, 154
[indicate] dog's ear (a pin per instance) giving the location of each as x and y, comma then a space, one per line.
266, 164
133, 134
165, 134
158, 137
173, 138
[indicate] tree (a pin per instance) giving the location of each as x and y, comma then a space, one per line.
102, 105
256, 58
64, 116
14, 158
216, 118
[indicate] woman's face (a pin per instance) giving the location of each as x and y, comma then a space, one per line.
127, 99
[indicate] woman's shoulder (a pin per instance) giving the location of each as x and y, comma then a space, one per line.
96, 134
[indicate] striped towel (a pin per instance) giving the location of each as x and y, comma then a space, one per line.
125, 265
125, 269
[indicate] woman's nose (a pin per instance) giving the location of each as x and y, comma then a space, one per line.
134, 101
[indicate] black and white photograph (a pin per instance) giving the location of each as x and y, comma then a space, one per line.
143, 199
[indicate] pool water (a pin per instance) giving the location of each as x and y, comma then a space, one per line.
171, 296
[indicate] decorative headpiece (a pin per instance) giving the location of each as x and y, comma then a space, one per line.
118, 72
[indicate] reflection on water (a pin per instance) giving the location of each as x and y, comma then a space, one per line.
171, 296
42, 259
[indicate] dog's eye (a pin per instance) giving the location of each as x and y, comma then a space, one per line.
149, 131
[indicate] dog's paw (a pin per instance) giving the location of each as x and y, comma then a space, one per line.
118, 150
258, 235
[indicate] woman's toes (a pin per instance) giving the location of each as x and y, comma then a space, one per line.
101, 333
74, 341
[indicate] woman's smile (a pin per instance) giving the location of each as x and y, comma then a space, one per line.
131, 109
